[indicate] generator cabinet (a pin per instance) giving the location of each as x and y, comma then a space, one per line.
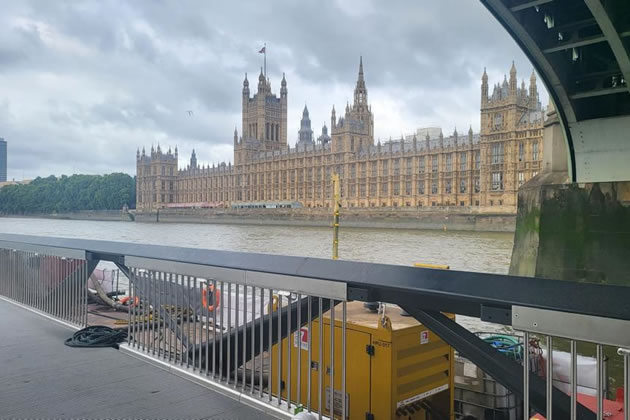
396, 368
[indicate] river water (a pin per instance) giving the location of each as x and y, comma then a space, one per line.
470, 251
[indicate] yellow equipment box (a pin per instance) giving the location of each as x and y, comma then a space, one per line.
395, 367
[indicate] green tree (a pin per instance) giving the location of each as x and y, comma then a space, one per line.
69, 193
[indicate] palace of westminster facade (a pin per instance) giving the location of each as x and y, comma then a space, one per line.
484, 169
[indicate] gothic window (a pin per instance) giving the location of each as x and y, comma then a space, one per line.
448, 187
420, 187
372, 189
535, 150
396, 166
384, 188
434, 164
353, 170
421, 165
477, 159
373, 169
521, 178
497, 153
462, 161
396, 187
409, 166
352, 144
497, 181
385, 168
462, 186
449, 162
434, 187
477, 187
521, 151
267, 131
408, 188
498, 120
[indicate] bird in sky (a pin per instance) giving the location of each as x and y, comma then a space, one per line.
190, 113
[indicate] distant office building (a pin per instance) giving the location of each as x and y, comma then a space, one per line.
3, 160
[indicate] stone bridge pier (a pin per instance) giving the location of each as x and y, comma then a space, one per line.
569, 230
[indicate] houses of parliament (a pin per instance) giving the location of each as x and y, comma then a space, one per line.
424, 169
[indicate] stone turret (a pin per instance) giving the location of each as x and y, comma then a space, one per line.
305, 134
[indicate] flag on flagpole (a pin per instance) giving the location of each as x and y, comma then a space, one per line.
262, 50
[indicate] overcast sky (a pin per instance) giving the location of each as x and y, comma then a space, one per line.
83, 84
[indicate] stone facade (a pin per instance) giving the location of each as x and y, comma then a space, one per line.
481, 170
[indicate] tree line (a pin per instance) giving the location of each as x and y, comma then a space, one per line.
69, 193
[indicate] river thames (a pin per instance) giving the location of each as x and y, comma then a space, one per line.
469, 251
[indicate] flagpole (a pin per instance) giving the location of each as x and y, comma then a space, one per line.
265, 58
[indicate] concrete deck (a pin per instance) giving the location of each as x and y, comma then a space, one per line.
41, 378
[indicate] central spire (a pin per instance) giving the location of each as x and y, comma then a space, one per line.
361, 67
360, 92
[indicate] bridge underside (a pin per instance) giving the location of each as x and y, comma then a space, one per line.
580, 48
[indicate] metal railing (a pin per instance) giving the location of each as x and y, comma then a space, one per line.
229, 328
233, 321
51, 284
573, 329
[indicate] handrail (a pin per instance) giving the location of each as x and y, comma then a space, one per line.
460, 292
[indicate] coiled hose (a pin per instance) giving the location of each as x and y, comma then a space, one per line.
97, 336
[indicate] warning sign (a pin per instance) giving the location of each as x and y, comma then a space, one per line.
303, 338
424, 337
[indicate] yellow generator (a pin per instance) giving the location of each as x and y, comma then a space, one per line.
395, 367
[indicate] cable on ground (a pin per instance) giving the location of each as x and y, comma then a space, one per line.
97, 336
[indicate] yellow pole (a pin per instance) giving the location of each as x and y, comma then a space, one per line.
336, 197
437, 266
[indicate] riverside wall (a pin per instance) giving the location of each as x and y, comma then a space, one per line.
95, 215
495, 219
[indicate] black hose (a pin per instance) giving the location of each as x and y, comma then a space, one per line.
97, 336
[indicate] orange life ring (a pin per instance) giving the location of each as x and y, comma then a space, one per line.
136, 300
204, 298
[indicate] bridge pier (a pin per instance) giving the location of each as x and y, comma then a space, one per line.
571, 231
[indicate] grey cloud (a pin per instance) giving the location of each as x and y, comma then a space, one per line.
85, 83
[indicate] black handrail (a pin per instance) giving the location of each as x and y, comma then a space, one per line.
460, 292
